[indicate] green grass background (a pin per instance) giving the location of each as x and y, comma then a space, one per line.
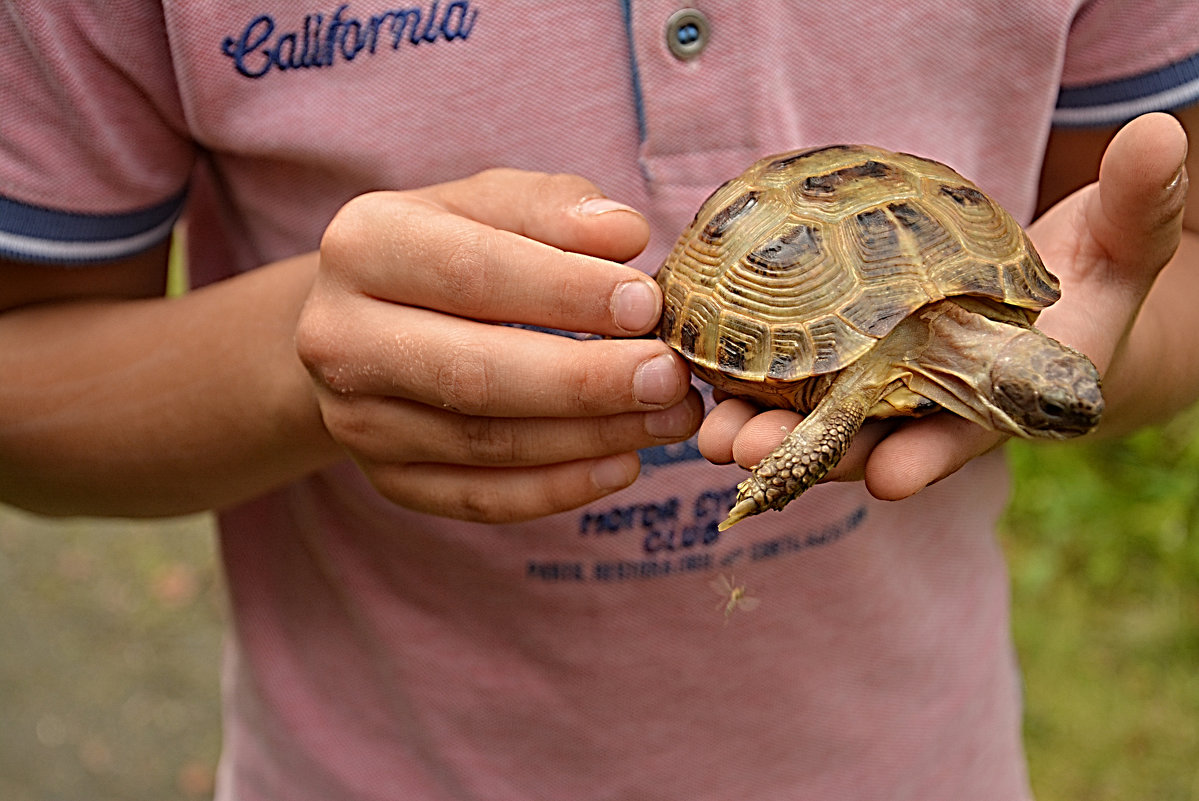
111, 635
1103, 542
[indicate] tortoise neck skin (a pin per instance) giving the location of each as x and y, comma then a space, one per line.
985, 363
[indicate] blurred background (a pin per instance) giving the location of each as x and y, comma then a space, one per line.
111, 635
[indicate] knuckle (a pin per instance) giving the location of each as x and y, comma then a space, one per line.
344, 234
585, 294
540, 184
482, 503
466, 268
318, 347
500, 176
463, 381
565, 185
588, 387
473, 498
352, 425
598, 384
310, 345
611, 434
494, 502
491, 441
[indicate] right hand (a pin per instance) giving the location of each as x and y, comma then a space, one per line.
450, 414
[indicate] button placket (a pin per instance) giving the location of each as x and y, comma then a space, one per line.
697, 115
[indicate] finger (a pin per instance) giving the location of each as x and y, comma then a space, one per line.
399, 247
720, 428
487, 370
565, 211
1109, 241
761, 436
758, 438
504, 494
852, 466
382, 431
738, 431
922, 452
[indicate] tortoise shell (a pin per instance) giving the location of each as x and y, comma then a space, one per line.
797, 267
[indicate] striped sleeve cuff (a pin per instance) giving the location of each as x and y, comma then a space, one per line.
1115, 102
37, 234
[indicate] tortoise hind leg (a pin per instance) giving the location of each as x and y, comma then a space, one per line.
811, 449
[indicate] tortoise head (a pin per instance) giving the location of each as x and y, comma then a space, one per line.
1047, 389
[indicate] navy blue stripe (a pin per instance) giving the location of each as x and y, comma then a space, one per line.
54, 225
1135, 87
635, 71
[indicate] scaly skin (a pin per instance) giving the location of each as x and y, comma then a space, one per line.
806, 455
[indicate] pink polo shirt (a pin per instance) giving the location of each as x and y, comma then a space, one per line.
377, 653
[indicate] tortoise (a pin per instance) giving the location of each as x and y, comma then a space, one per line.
850, 283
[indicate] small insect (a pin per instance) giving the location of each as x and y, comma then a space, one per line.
732, 595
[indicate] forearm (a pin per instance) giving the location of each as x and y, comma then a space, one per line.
1156, 373
158, 407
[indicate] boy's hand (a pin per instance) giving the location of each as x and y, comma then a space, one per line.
449, 413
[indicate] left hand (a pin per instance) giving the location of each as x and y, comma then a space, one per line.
1107, 243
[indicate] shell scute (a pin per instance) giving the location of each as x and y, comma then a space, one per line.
836, 343
786, 162
830, 184
720, 222
880, 254
743, 345
876, 311
932, 239
1031, 287
802, 274
790, 253
970, 276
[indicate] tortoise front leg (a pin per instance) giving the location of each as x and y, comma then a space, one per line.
811, 449
814, 446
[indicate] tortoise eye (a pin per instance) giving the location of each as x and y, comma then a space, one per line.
1052, 409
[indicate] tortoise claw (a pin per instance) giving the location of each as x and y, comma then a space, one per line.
744, 508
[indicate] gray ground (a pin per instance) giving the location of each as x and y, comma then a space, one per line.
110, 637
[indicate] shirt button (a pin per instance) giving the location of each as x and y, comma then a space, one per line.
687, 33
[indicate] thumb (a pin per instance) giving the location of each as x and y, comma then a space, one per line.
1108, 241
1135, 217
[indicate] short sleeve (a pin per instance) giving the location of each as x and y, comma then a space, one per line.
1128, 58
94, 151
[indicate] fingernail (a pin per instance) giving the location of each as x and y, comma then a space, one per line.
1178, 181
613, 473
603, 205
1174, 196
673, 423
656, 381
634, 306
